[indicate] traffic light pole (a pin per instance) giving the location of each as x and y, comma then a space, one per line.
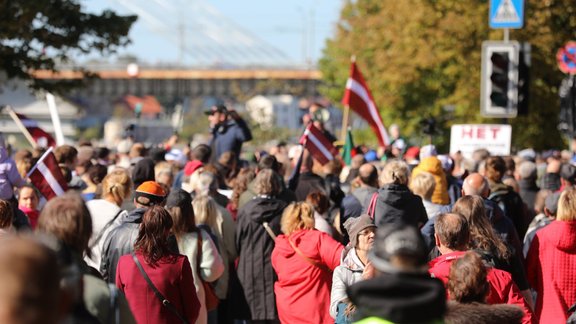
506, 33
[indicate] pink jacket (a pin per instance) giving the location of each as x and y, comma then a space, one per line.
303, 289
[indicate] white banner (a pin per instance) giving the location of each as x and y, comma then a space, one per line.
468, 138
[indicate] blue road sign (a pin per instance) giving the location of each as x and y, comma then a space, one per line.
506, 14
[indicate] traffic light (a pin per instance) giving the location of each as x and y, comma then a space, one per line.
499, 95
499, 77
524, 79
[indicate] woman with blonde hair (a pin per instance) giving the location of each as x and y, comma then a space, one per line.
106, 212
551, 262
304, 259
196, 244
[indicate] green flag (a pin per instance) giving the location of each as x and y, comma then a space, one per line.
348, 150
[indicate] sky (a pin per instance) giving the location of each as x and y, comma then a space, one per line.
227, 32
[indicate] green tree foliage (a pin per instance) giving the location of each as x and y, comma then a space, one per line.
420, 55
37, 35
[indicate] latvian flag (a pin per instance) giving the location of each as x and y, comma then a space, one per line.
359, 99
47, 177
318, 145
40, 136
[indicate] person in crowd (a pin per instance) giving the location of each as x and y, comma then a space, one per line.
541, 220
30, 281
120, 240
24, 162
308, 181
506, 198
468, 288
550, 263
229, 131
254, 246
331, 171
362, 188
321, 205
163, 173
9, 176
490, 246
143, 171
28, 201
454, 187
244, 178
199, 156
452, 239
395, 202
93, 178
67, 219
527, 175
567, 176
268, 162
67, 156
357, 161
304, 260
195, 244
401, 291
354, 265
433, 165
227, 169
6, 216
217, 222
106, 212
153, 264
204, 183
551, 177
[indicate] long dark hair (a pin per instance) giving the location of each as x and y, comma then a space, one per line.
152, 239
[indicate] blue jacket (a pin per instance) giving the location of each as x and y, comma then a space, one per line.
230, 137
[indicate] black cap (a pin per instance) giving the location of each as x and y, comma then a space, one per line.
218, 108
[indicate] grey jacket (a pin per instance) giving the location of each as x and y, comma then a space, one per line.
347, 273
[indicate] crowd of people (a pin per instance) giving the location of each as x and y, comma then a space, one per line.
177, 234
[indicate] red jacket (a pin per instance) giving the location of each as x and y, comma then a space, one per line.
303, 289
172, 277
550, 266
502, 289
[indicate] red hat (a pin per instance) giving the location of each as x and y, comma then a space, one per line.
412, 152
151, 190
192, 166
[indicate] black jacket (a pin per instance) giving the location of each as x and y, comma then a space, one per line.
396, 203
399, 298
254, 247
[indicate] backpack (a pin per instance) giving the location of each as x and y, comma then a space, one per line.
513, 207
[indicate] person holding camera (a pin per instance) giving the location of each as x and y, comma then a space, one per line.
229, 131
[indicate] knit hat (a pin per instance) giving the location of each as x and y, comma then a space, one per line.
401, 240
151, 191
355, 225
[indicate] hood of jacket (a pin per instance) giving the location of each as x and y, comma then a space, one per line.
134, 216
474, 313
563, 235
350, 259
431, 164
264, 209
400, 298
396, 195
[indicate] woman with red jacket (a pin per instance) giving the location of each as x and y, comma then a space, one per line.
304, 260
170, 273
551, 262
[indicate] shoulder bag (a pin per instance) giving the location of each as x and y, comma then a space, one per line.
212, 300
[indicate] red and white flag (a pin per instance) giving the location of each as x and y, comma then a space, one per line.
41, 137
318, 145
359, 99
47, 177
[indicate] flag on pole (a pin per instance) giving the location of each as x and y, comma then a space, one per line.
41, 137
319, 146
47, 177
359, 99
348, 151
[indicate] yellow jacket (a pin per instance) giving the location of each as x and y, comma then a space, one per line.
434, 166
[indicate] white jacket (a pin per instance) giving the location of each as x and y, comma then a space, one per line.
347, 273
211, 265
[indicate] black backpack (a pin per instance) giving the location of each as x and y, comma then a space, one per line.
513, 207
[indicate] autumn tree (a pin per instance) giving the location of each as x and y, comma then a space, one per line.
419, 56
39, 35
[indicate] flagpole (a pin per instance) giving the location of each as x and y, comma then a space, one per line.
55, 118
21, 126
50, 149
346, 114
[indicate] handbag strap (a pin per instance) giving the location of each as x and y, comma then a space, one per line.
309, 260
103, 230
165, 302
372, 206
269, 230
199, 253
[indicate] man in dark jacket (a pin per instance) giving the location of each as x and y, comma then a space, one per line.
229, 131
527, 174
402, 290
357, 200
309, 181
121, 239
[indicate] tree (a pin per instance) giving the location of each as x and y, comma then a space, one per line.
421, 55
39, 35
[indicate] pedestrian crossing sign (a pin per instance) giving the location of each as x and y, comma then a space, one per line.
506, 14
